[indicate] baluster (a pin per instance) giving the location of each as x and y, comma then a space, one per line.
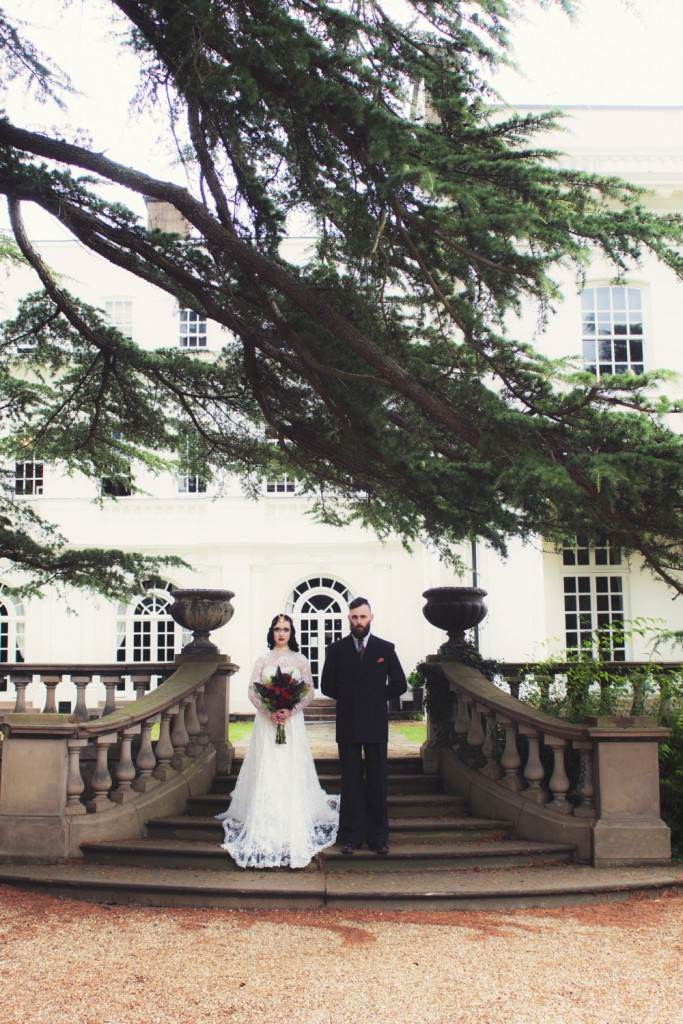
534, 772
110, 682
203, 718
193, 727
475, 733
101, 780
514, 683
146, 761
510, 761
461, 719
81, 682
20, 684
179, 739
141, 683
585, 789
559, 781
491, 769
50, 682
164, 747
74, 779
125, 769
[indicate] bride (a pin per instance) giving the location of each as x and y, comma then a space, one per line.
279, 816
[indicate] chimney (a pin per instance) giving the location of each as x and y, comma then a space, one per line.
163, 216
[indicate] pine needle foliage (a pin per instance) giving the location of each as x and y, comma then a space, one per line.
381, 367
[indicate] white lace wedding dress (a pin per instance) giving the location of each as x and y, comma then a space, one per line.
279, 816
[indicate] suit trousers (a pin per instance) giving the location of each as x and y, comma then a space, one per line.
363, 813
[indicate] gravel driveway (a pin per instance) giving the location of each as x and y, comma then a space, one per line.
65, 962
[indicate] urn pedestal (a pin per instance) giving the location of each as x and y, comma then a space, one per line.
202, 611
455, 610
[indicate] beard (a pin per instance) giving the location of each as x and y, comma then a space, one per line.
360, 632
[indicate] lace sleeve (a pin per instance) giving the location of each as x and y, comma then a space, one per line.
305, 670
256, 678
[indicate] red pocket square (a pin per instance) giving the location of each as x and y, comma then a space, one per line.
380, 661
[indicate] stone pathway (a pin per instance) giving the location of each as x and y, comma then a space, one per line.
323, 744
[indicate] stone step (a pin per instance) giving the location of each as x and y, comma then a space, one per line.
409, 764
468, 889
401, 805
399, 783
430, 829
406, 856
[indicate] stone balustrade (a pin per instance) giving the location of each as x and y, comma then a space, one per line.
641, 676
595, 784
88, 690
68, 778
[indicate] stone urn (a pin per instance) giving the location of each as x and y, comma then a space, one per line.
201, 611
454, 609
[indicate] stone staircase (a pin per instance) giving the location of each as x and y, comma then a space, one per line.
441, 857
321, 710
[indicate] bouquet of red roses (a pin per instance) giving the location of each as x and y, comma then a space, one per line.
281, 693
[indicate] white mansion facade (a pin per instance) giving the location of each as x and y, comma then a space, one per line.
277, 558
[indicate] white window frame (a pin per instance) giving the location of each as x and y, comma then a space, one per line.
611, 317
188, 484
192, 330
282, 487
149, 609
12, 631
29, 478
594, 595
119, 312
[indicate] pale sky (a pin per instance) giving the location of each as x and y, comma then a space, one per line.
615, 52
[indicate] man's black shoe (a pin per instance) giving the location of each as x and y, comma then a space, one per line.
381, 851
349, 848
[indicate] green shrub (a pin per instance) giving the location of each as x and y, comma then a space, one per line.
671, 783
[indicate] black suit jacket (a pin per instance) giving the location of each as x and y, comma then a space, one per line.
362, 687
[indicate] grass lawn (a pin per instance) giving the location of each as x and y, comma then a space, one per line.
240, 731
416, 732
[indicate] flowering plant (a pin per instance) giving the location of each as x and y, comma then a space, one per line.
281, 692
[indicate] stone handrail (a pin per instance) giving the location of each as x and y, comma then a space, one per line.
66, 778
22, 675
607, 805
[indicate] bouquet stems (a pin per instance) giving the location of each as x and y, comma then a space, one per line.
280, 736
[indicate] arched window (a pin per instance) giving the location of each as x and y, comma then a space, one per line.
146, 631
11, 630
319, 607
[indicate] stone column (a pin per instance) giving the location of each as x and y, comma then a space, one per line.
81, 682
217, 698
50, 681
110, 682
125, 769
20, 683
533, 769
629, 829
164, 748
33, 818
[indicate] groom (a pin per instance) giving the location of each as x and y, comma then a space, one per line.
362, 672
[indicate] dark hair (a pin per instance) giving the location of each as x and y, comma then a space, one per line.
270, 636
358, 601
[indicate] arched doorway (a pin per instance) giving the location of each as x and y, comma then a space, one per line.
319, 607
